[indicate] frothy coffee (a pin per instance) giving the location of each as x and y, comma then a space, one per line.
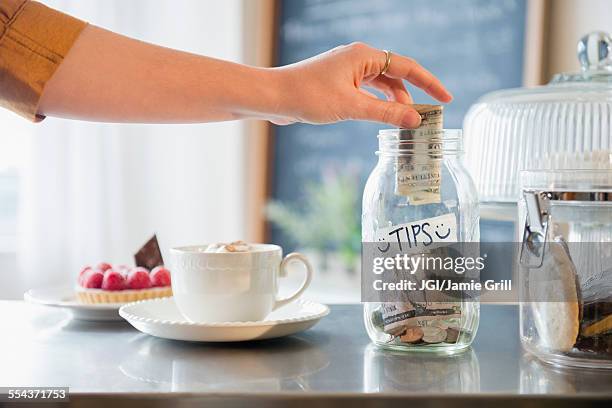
236, 246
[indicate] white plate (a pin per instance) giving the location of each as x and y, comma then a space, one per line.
161, 318
65, 298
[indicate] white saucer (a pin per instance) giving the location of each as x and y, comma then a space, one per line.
161, 318
64, 297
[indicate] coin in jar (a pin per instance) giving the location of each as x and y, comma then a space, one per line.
440, 324
395, 331
452, 334
412, 335
433, 335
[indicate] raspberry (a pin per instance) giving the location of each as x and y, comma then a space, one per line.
113, 280
81, 277
103, 266
160, 276
93, 279
138, 278
122, 269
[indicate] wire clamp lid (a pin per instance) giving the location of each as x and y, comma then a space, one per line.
536, 229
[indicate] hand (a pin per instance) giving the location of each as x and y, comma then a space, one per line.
327, 88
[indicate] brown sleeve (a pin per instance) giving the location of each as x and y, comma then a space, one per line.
34, 40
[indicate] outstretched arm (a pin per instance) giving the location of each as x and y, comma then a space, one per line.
112, 78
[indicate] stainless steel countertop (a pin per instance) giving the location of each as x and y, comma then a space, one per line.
332, 362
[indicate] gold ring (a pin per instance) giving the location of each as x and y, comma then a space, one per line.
387, 62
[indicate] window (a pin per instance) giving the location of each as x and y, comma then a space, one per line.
13, 143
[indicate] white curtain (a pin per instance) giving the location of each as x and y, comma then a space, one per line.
94, 192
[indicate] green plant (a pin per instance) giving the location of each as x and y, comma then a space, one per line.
327, 219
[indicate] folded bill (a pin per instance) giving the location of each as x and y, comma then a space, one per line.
418, 173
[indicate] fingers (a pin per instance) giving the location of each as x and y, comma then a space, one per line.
400, 67
393, 88
408, 69
390, 112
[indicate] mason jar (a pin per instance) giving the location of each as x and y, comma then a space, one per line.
394, 371
420, 200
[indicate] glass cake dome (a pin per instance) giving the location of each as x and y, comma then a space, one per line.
566, 124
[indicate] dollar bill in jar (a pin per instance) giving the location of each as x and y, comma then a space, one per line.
418, 175
419, 316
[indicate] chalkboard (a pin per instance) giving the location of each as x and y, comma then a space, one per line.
473, 46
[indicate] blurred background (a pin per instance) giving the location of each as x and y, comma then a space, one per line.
75, 193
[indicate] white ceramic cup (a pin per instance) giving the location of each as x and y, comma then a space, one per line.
231, 286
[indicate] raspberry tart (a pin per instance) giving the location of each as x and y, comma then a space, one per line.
106, 283
114, 285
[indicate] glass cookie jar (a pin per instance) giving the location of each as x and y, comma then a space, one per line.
565, 273
419, 199
562, 125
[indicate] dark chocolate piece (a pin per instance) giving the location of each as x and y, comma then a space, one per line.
149, 256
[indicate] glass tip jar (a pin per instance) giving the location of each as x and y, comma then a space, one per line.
419, 201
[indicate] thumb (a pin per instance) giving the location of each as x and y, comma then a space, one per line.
392, 113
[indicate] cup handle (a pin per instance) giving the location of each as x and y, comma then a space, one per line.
295, 256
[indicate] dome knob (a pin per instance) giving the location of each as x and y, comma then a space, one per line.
595, 51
